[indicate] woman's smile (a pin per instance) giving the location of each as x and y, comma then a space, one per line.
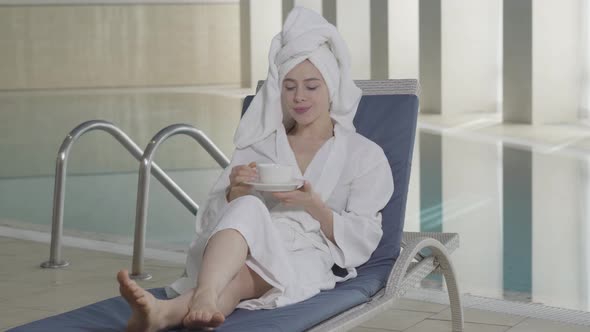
301, 109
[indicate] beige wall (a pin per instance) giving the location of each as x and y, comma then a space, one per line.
118, 45
85, 58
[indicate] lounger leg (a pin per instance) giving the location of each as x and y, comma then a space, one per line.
400, 277
453, 289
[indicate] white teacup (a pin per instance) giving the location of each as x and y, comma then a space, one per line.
275, 173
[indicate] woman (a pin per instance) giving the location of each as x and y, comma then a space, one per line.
260, 250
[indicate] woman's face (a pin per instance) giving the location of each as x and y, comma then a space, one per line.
304, 94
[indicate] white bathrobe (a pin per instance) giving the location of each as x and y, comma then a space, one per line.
287, 248
350, 173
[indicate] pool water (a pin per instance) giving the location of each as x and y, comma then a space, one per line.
105, 204
522, 214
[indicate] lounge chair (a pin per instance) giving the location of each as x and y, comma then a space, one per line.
387, 115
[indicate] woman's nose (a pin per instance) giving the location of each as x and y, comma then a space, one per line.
299, 97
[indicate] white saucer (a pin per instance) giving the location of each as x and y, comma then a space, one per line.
275, 187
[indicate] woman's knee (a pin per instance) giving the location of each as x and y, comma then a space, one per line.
234, 233
230, 238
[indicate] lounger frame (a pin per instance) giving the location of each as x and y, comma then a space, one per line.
407, 273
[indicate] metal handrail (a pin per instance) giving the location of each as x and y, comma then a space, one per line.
55, 260
143, 185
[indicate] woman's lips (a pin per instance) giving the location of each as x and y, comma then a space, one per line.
301, 110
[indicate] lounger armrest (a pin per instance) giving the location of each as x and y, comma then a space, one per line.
449, 240
406, 272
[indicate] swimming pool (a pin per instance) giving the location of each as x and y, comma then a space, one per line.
105, 204
522, 213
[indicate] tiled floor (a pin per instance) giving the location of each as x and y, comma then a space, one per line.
29, 293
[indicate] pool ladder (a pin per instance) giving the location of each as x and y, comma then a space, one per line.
146, 166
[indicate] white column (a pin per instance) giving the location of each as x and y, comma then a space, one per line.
557, 31
353, 22
559, 242
472, 204
585, 95
403, 39
470, 44
459, 45
260, 22
543, 60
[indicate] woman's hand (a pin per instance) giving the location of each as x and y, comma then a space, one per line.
304, 197
313, 204
240, 174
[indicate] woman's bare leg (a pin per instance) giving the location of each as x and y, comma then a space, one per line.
148, 313
247, 284
224, 280
224, 256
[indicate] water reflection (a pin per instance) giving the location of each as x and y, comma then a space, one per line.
522, 216
517, 220
431, 211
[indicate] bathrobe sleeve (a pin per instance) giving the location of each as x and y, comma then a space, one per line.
357, 229
217, 199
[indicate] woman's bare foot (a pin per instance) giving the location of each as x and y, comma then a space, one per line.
204, 311
146, 315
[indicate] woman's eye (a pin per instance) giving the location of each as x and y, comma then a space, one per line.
289, 88
312, 88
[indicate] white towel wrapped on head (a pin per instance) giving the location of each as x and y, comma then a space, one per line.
305, 35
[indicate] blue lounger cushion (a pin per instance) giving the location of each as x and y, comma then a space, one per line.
112, 314
388, 120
